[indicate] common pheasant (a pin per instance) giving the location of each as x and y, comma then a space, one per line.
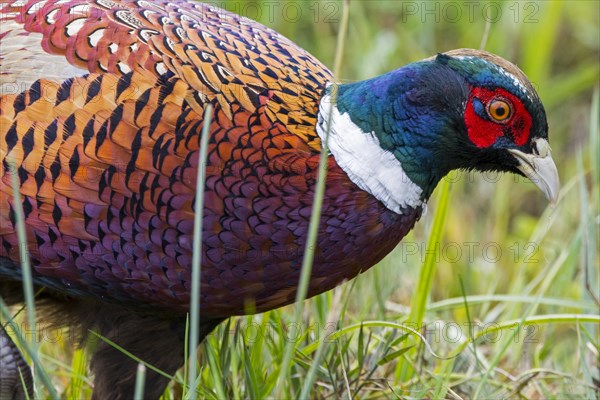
101, 117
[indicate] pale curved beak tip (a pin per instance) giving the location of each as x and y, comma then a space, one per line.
540, 169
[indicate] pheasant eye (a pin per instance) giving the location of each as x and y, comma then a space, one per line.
499, 110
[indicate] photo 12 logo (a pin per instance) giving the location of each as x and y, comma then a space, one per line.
473, 11
469, 252
288, 11
435, 333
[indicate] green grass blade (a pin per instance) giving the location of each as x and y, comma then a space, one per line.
427, 273
595, 135
421, 294
76, 381
250, 373
186, 360
394, 355
24, 257
313, 230
132, 356
533, 320
539, 40
197, 255
29, 350
482, 299
215, 372
140, 381
27, 278
316, 361
312, 347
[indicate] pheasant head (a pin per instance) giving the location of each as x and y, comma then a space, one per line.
398, 134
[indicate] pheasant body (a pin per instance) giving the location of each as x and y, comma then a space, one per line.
108, 205
102, 109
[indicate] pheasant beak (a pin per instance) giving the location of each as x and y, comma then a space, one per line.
539, 168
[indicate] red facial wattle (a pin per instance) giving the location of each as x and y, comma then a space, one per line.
483, 130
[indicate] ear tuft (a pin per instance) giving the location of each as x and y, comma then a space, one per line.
442, 58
